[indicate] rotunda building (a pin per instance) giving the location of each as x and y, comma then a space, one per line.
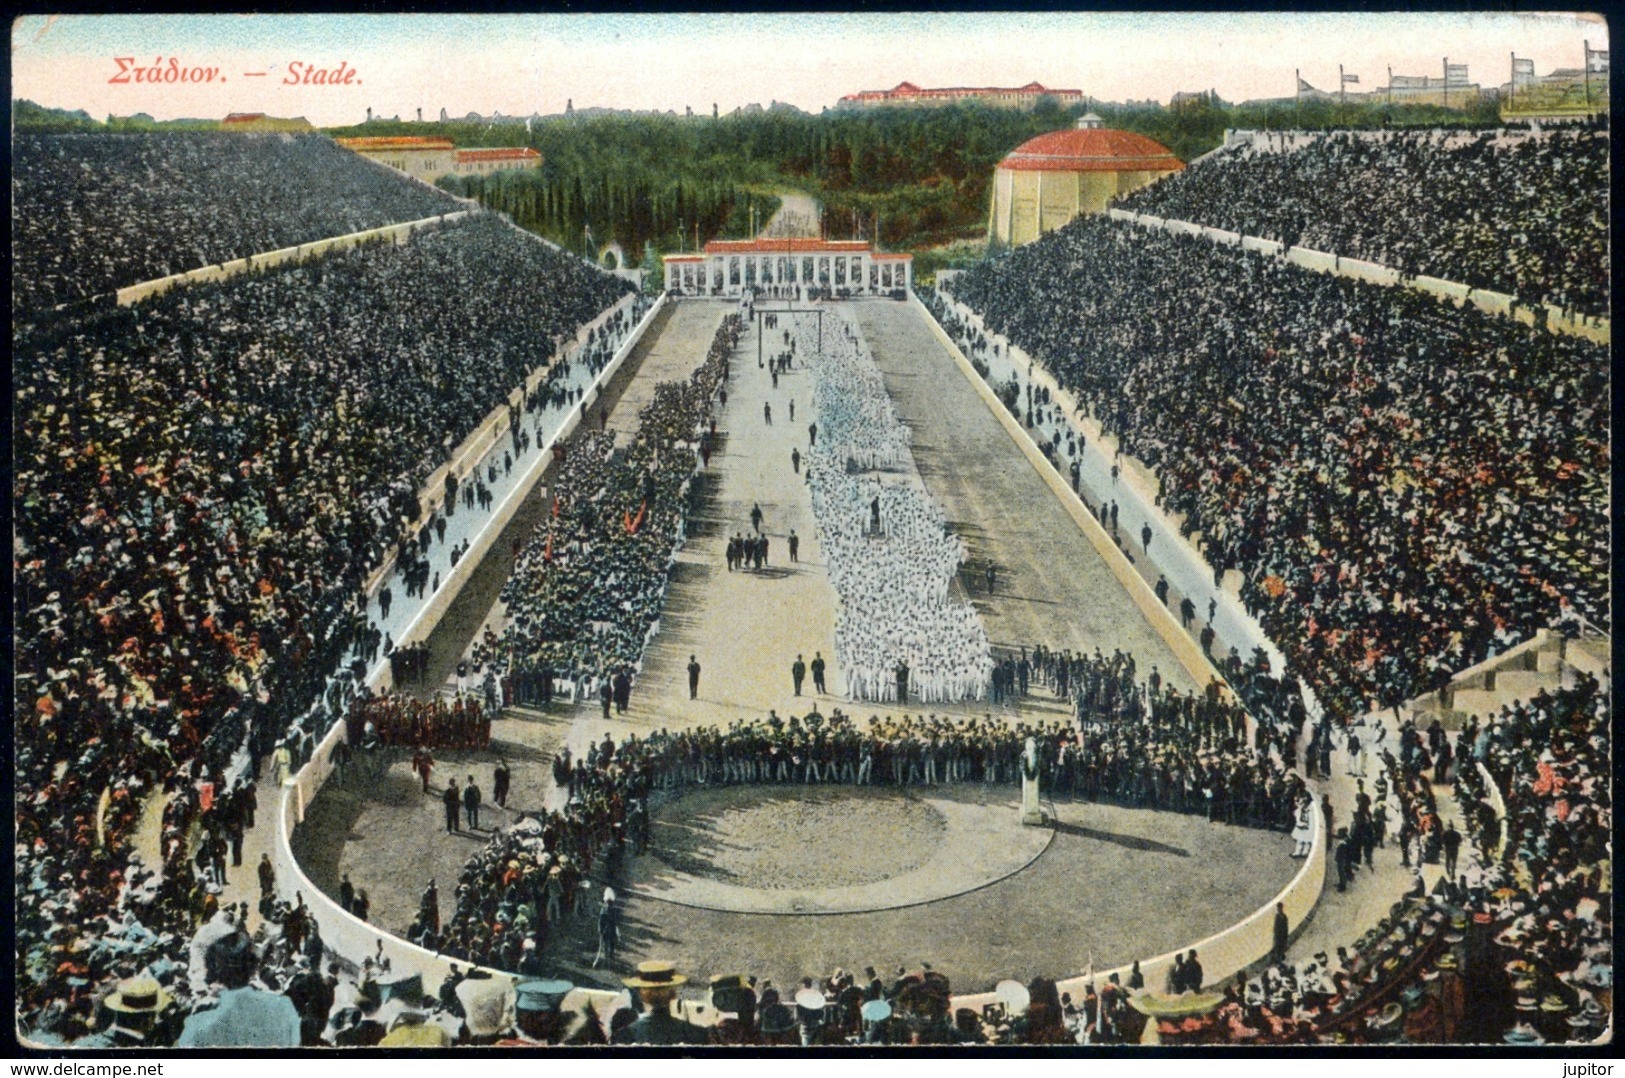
1047, 181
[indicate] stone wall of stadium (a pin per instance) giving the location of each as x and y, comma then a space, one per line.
1223, 953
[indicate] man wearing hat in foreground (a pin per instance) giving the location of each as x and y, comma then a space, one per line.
539, 1016
488, 1008
245, 1017
656, 984
141, 1013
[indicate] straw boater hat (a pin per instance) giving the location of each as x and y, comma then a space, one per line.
655, 975
138, 995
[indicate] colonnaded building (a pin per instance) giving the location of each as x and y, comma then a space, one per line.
1049, 180
729, 267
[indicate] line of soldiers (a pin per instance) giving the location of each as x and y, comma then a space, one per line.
401, 720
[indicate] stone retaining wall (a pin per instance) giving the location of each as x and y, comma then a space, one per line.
343, 932
398, 233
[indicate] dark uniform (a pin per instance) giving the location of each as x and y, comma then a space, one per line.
451, 800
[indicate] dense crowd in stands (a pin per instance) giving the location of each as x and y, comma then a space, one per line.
203, 481
1512, 944
588, 586
1405, 486
890, 552
1524, 214
92, 213
1549, 862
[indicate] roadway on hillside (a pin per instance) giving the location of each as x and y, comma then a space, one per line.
797, 215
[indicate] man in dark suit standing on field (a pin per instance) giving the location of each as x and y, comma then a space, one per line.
452, 801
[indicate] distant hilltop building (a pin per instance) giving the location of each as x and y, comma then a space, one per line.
428, 157
1451, 88
1049, 180
908, 94
1197, 99
1563, 93
258, 121
422, 156
496, 159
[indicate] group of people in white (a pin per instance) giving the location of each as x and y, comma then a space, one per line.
890, 552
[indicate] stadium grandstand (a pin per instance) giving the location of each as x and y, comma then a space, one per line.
425, 638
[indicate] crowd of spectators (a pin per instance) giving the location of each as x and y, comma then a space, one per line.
890, 552
1548, 861
203, 481
1405, 486
1522, 213
92, 213
587, 588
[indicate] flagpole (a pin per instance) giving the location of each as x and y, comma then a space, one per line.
1342, 87
1512, 85
1447, 82
1586, 68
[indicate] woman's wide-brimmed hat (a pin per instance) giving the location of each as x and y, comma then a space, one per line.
655, 975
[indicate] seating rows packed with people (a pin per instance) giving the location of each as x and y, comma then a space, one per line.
203, 481
588, 586
93, 213
891, 555
1548, 861
1405, 486
1511, 944
1522, 213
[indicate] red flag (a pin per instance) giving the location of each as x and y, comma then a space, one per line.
634, 523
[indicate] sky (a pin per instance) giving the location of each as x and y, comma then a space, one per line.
519, 64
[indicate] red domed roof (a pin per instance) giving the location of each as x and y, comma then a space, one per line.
1091, 149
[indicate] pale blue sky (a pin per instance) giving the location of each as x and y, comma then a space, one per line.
525, 63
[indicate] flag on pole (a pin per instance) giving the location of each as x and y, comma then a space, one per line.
1303, 86
1523, 71
1596, 61
1455, 75
1350, 78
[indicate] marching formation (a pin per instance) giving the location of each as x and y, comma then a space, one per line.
586, 592
892, 558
